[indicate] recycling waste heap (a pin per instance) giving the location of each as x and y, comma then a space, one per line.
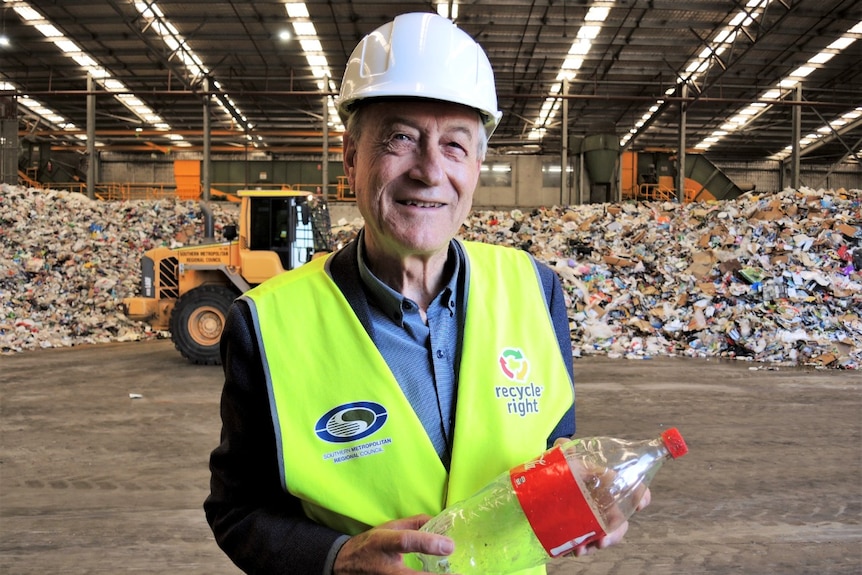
774, 278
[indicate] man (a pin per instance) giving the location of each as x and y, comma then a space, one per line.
365, 392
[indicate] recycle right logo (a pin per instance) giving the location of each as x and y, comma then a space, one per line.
514, 364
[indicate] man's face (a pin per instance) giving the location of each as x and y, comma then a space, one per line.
414, 171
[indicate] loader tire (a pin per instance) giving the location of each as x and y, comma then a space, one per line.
197, 322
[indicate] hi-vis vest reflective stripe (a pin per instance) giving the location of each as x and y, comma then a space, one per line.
350, 445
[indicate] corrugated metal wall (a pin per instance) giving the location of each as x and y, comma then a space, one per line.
767, 175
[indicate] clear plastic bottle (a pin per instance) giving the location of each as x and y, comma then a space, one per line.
571, 495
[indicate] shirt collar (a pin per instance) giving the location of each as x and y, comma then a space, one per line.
392, 303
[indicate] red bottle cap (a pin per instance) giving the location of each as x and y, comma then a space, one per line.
674, 442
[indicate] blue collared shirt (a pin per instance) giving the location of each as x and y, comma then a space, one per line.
420, 355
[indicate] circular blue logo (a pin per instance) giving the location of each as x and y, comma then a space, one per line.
350, 421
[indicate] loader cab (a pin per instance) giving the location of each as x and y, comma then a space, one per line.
293, 224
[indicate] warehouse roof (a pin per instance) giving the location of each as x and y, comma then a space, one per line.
624, 63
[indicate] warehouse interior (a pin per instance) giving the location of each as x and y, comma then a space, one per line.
691, 172
766, 85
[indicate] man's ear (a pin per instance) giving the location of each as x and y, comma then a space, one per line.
349, 155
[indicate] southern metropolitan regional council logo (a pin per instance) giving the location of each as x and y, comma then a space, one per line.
350, 422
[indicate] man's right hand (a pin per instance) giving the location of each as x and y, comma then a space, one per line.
379, 550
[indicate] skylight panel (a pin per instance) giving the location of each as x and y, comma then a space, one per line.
700, 64
591, 29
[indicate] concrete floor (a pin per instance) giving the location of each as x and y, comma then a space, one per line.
104, 449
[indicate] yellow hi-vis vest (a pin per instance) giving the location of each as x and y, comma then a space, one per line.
349, 443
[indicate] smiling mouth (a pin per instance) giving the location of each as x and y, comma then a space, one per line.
418, 204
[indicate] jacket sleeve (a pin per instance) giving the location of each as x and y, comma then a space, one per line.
560, 318
258, 525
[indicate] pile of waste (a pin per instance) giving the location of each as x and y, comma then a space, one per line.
67, 261
773, 278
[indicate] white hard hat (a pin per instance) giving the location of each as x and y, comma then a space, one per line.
421, 55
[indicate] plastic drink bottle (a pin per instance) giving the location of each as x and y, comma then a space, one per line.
573, 494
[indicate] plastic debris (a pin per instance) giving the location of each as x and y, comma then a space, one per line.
773, 278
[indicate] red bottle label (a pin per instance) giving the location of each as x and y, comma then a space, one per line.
554, 505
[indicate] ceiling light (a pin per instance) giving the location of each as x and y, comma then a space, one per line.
311, 45
842, 42
26, 13
304, 29
84, 60
821, 58
589, 32
297, 9
37, 108
66, 46
536, 134
726, 36
597, 14
580, 47
195, 67
741, 19
48, 30
801, 72
572, 63
148, 10
443, 9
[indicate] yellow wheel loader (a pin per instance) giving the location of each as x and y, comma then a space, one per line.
188, 290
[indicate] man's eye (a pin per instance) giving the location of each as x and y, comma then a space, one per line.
457, 148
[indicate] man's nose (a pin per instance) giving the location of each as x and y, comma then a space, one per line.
429, 166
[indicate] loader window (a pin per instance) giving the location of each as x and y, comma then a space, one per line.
280, 225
